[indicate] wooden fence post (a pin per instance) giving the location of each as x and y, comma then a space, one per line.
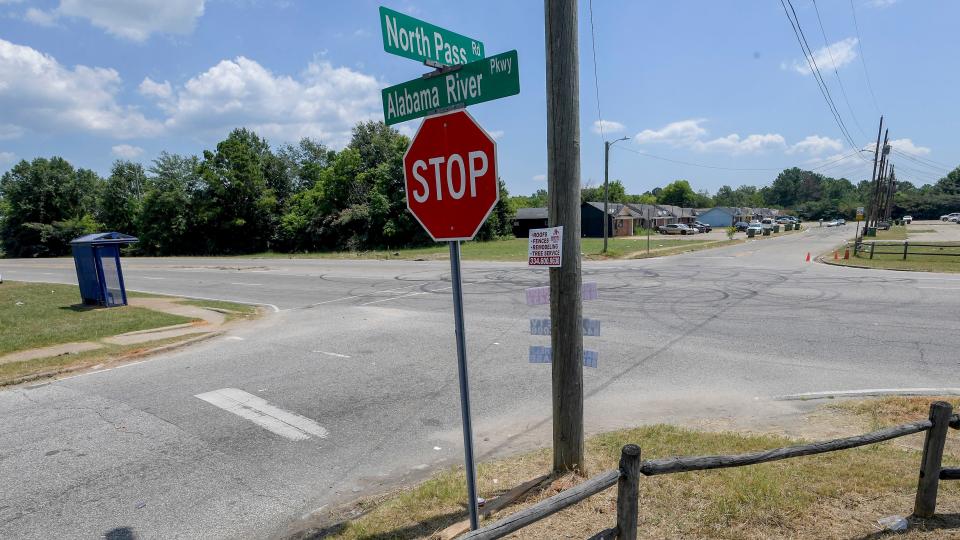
905, 243
926, 502
873, 245
628, 492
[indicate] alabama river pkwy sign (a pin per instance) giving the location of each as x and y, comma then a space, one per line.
484, 80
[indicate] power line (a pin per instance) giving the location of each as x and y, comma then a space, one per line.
833, 62
924, 160
596, 79
912, 158
815, 70
863, 60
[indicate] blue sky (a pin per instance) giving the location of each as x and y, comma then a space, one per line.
716, 84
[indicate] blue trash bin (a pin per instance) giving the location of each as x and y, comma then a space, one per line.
97, 258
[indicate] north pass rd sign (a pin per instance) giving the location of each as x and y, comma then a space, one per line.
450, 176
483, 80
408, 37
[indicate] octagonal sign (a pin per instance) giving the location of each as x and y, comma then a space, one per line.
450, 176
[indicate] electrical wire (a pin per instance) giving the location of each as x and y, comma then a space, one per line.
596, 79
833, 62
863, 60
815, 70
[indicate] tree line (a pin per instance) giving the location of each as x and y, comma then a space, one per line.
242, 197
808, 194
246, 197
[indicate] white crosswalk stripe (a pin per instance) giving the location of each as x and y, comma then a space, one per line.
260, 412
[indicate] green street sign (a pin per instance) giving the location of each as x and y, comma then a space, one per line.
412, 38
476, 82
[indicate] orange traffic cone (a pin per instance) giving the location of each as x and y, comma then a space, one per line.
846, 254
836, 255
808, 256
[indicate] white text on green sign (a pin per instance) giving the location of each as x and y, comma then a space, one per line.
406, 36
476, 82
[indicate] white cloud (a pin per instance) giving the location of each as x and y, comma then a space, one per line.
834, 56
692, 135
907, 147
10, 131
126, 151
540, 178
607, 126
150, 88
881, 3
324, 102
733, 144
40, 94
496, 134
816, 145
136, 20
680, 133
7, 157
40, 17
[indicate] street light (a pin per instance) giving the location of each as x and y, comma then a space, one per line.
606, 186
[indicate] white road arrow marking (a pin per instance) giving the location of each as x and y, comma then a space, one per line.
260, 412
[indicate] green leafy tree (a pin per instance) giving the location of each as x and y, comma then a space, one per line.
236, 205
678, 193
47, 203
165, 224
121, 197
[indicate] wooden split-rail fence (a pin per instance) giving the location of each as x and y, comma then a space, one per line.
627, 476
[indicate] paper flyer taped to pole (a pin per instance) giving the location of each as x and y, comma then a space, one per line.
545, 247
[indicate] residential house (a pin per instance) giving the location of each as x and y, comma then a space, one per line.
529, 218
720, 216
650, 216
618, 222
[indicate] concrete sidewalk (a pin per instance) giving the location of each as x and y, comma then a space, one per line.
205, 321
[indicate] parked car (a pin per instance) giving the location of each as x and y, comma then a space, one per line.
883, 225
783, 220
841, 221
953, 216
908, 219
832, 223
756, 227
703, 227
741, 226
766, 223
675, 228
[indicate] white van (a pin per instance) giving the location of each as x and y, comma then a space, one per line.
766, 223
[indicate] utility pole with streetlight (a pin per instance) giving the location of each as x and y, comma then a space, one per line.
606, 187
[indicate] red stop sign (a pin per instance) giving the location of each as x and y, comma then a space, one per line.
450, 175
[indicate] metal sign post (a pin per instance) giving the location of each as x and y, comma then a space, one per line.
471, 471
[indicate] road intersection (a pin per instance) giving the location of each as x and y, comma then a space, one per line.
355, 363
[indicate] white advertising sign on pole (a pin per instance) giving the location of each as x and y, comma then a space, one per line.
545, 248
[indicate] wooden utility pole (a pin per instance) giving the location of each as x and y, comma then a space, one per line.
875, 202
606, 192
873, 177
563, 184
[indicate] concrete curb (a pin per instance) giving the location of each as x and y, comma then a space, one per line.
872, 392
119, 361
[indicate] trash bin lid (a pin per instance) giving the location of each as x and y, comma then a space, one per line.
104, 239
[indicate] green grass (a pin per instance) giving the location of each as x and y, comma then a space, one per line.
29, 370
919, 258
834, 495
896, 232
34, 315
510, 249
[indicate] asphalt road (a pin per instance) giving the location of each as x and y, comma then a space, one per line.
363, 353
